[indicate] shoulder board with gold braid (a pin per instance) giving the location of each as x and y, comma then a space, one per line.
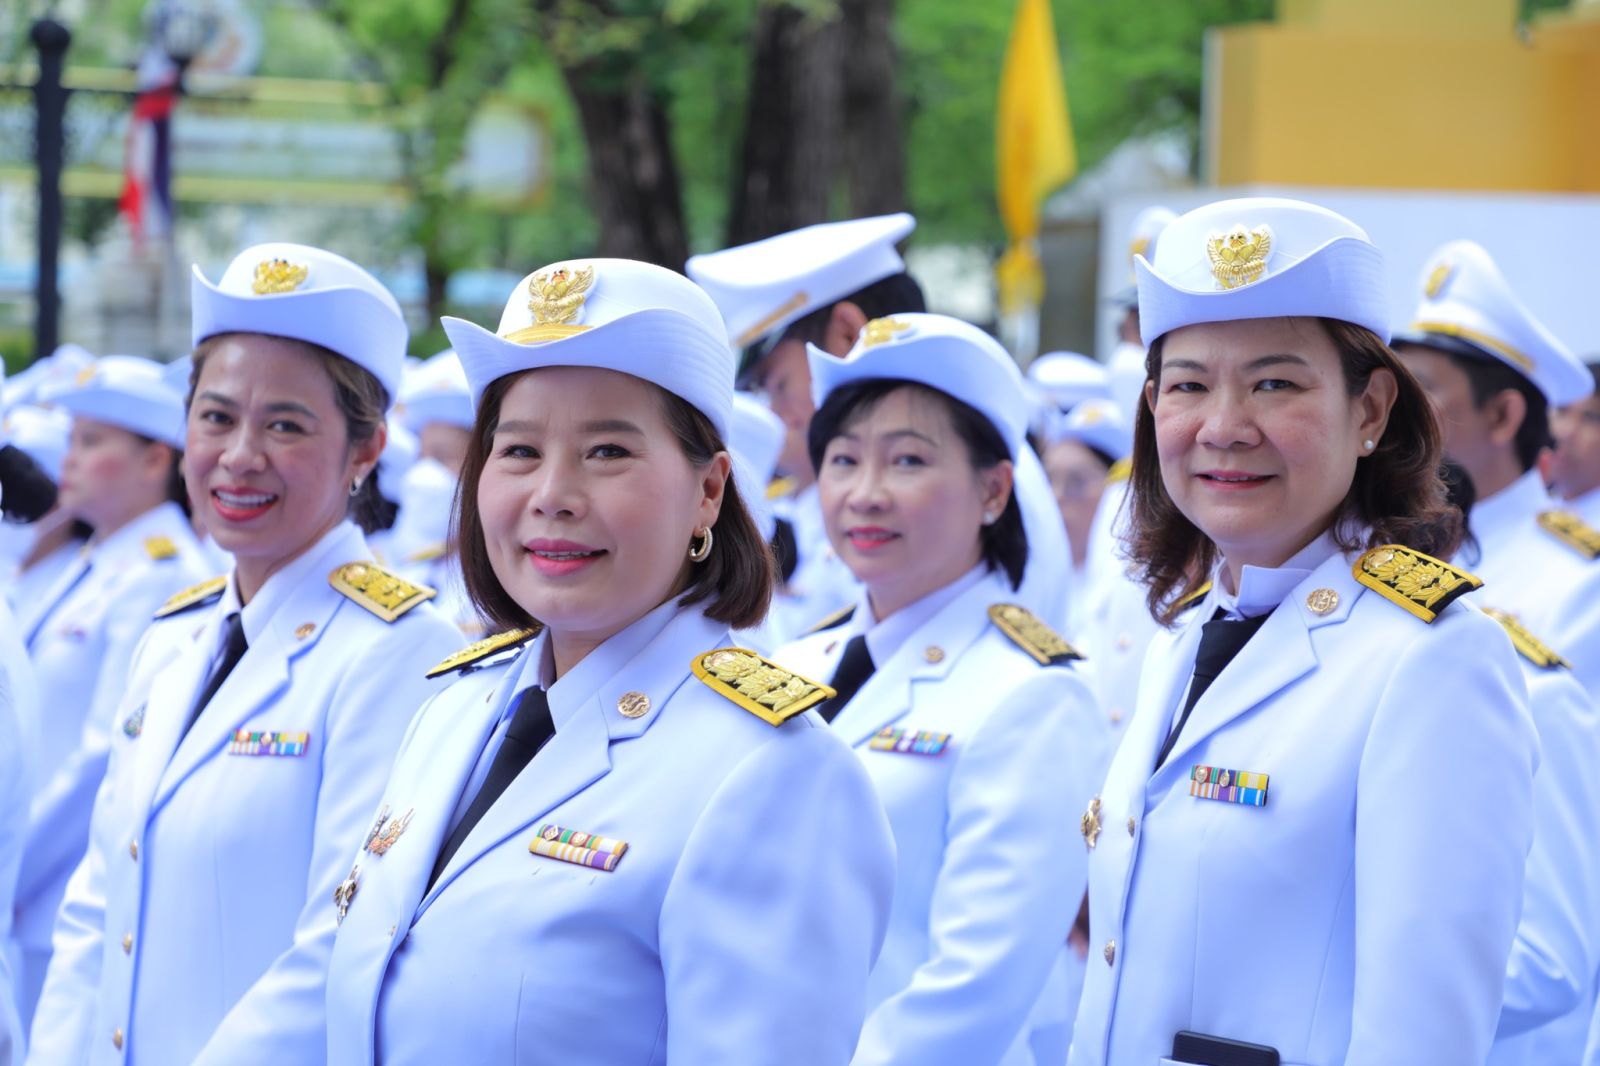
759, 685
1194, 596
1032, 635
160, 548
206, 592
1531, 647
384, 594
1418, 583
1121, 470
1572, 531
480, 650
837, 618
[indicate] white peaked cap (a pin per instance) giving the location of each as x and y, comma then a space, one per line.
306, 294
940, 352
1261, 257
611, 314
763, 287
126, 391
436, 391
1468, 308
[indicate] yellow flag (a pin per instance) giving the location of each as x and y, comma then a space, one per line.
1033, 147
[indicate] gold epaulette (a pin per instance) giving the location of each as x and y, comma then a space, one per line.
1572, 531
1421, 584
1121, 470
482, 649
1532, 648
426, 555
779, 487
759, 685
1032, 635
194, 596
1193, 597
159, 548
384, 594
839, 617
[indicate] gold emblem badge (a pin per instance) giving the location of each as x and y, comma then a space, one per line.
881, 331
556, 296
346, 892
1322, 601
1438, 278
1137, 247
633, 705
1089, 824
1239, 256
85, 375
278, 275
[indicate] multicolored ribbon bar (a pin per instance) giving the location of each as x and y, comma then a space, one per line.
247, 743
1228, 786
907, 742
582, 849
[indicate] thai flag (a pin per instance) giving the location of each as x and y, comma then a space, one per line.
147, 167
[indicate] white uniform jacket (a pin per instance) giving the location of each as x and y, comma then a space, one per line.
983, 758
1364, 914
193, 931
737, 926
14, 787
82, 638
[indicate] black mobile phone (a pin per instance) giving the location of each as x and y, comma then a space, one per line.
1202, 1050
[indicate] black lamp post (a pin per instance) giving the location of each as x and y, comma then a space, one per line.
51, 38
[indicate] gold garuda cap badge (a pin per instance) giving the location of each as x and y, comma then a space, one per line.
1438, 278
278, 275
555, 299
1239, 256
882, 331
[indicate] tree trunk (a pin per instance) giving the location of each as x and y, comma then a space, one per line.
789, 157
633, 176
874, 114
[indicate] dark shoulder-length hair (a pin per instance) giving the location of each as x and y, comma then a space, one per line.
1004, 544
735, 582
362, 400
1396, 497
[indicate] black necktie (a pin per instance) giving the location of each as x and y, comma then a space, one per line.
233, 649
1220, 641
530, 729
855, 666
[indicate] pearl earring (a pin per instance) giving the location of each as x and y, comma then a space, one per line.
988, 518
1370, 445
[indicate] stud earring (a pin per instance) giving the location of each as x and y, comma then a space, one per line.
988, 518
1370, 445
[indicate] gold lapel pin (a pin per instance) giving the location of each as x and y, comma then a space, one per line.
633, 705
1322, 601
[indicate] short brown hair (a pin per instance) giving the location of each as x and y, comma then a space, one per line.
736, 581
1397, 496
361, 398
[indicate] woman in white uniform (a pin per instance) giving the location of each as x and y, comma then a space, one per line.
979, 733
263, 708
120, 478
617, 838
1310, 845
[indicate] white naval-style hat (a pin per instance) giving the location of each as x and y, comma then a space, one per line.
436, 391
1143, 237
126, 391
763, 287
1069, 378
1468, 309
756, 443
59, 367
305, 294
611, 314
1100, 424
940, 352
1261, 257
41, 432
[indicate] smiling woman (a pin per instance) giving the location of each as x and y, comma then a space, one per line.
615, 814
1297, 724
270, 692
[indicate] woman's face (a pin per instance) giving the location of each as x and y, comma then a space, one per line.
269, 460
1575, 466
110, 476
901, 500
1257, 434
1078, 478
446, 444
588, 503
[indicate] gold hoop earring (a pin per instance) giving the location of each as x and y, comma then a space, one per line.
699, 553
